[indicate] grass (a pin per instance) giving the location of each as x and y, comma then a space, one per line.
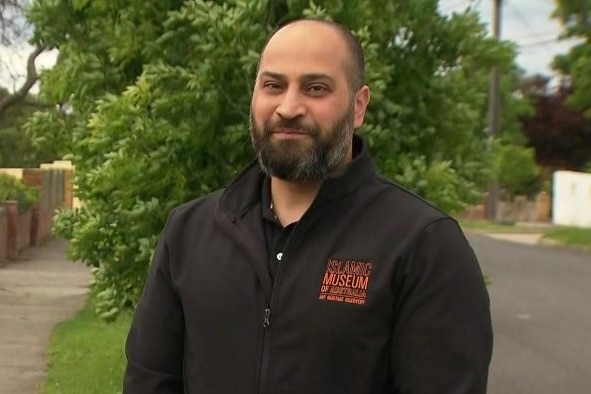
570, 236
494, 227
86, 355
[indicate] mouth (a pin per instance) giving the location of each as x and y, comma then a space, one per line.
290, 133
287, 130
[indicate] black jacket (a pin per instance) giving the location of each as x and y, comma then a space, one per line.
377, 292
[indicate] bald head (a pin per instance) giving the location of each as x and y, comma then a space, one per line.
354, 59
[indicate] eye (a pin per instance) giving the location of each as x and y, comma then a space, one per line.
317, 89
272, 86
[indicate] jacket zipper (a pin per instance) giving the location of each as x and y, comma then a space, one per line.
267, 289
264, 348
267, 317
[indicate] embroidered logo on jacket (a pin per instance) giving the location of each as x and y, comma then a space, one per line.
345, 281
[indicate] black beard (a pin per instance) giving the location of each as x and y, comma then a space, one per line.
312, 159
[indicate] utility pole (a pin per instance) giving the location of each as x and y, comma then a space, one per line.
494, 106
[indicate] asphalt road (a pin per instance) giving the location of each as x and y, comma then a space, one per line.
541, 308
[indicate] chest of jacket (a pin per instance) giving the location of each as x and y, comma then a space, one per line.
330, 308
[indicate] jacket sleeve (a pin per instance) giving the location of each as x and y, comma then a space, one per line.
442, 338
155, 343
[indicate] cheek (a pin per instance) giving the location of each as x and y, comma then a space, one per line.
263, 108
327, 114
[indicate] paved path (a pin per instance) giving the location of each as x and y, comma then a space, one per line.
529, 239
540, 299
36, 292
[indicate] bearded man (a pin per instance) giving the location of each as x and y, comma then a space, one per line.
310, 273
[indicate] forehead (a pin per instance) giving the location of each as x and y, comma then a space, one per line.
304, 48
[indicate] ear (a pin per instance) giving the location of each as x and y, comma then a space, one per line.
361, 101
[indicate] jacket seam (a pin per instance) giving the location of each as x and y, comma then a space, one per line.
417, 237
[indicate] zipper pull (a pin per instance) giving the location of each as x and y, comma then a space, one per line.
266, 321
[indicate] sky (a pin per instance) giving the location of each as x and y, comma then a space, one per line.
526, 22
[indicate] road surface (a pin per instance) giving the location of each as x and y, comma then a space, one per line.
541, 308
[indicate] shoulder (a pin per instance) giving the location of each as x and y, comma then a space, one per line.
396, 201
196, 212
197, 204
417, 220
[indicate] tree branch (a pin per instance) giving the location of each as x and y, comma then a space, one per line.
37, 104
31, 79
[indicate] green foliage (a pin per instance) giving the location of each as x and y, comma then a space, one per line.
17, 150
575, 16
12, 188
485, 226
572, 236
49, 133
160, 93
429, 92
76, 364
516, 169
437, 181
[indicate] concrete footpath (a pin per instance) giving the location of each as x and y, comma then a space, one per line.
523, 238
37, 291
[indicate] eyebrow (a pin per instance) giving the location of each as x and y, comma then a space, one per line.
303, 78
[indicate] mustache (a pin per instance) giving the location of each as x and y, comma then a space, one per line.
290, 124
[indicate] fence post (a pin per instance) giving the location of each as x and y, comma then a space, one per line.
13, 230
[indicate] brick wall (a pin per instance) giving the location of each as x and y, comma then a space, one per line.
19, 230
15, 230
3, 232
50, 183
12, 231
68, 188
24, 230
518, 209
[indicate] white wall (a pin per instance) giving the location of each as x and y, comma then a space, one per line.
15, 172
572, 199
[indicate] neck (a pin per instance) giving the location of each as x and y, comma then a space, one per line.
291, 200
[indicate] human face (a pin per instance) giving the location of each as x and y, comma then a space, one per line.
303, 113
290, 158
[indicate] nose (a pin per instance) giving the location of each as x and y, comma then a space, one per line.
291, 105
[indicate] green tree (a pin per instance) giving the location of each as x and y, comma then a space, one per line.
12, 188
160, 95
575, 16
516, 170
17, 149
13, 32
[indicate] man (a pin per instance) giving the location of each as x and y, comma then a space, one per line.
309, 273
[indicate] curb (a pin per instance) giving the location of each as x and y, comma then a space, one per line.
559, 245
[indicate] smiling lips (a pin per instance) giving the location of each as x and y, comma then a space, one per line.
290, 133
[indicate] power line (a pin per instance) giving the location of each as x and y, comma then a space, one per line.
519, 15
537, 43
469, 3
535, 35
453, 6
477, 4
527, 24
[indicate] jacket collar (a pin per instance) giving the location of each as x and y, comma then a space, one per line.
245, 191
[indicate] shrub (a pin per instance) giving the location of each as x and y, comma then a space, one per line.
12, 188
516, 170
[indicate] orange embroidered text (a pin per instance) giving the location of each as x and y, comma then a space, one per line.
346, 281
